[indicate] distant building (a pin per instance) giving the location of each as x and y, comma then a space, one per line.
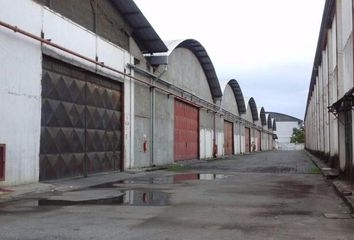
284, 125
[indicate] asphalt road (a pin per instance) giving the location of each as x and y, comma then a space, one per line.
271, 195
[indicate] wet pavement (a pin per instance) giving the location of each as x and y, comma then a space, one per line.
271, 195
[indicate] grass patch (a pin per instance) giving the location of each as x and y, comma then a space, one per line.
314, 170
176, 167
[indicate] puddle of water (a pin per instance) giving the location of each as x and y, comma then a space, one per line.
128, 198
165, 179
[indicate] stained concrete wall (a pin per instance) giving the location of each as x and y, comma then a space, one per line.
20, 92
101, 17
206, 134
229, 101
219, 128
164, 129
142, 113
237, 138
185, 71
326, 133
345, 68
332, 85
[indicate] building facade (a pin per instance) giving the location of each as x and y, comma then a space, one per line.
328, 117
89, 87
284, 130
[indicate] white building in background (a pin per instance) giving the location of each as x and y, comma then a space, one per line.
284, 125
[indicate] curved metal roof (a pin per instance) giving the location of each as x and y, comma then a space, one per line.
143, 33
240, 101
269, 122
254, 110
274, 125
204, 59
263, 116
281, 117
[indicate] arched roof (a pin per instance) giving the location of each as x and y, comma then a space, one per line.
240, 101
254, 110
204, 59
263, 116
142, 31
269, 122
274, 125
281, 117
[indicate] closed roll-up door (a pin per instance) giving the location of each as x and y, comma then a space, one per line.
186, 131
228, 138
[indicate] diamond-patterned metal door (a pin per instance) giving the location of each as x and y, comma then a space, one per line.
228, 138
186, 131
81, 122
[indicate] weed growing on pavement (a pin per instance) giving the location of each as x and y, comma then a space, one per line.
314, 170
176, 167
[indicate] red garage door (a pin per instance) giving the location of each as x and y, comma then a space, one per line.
186, 131
247, 139
258, 136
228, 137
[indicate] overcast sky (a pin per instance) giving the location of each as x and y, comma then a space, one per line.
268, 46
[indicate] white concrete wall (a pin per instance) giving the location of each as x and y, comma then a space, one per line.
206, 143
248, 115
185, 71
291, 146
333, 78
21, 80
285, 130
325, 133
20, 92
229, 101
237, 138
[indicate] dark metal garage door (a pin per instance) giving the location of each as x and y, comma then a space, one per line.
258, 140
81, 129
228, 138
186, 131
247, 139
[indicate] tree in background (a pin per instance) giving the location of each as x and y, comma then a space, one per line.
298, 135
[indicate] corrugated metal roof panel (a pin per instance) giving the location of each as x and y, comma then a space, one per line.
240, 101
143, 33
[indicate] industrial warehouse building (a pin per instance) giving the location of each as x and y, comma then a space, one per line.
329, 112
283, 129
92, 88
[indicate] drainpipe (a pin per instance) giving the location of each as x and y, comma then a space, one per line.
152, 100
215, 147
240, 136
